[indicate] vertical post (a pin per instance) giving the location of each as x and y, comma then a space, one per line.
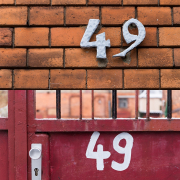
169, 104
11, 133
58, 104
147, 103
80, 104
21, 155
114, 104
92, 104
136, 104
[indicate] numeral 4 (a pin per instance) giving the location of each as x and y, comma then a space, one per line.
100, 155
101, 43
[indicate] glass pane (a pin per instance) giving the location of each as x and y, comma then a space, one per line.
70, 104
125, 103
45, 104
3, 103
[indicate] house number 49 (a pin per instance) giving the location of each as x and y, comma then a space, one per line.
100, 155
101, 43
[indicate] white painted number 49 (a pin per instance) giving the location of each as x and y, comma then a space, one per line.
100, 155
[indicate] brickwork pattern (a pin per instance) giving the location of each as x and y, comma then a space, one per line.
40, 45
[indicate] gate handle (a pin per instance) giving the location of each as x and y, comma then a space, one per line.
36, 161
35, 153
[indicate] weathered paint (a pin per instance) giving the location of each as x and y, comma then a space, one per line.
154, 155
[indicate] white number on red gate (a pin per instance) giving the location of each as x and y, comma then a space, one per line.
100, 155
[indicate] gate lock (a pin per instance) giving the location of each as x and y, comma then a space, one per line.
36, 161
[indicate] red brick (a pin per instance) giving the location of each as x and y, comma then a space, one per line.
13, 58
155, 57
117, 15
45, 57
170, 78
104, 79
81, 15
169, 2
150, 39
176, 14
13, 15
6, 79
154, 15
104, 2
6, 36
26, 2
73, 36
6, 1
140, 2
31, 79
31, 36
169, 36
177, 57
68, 2
141, 78
86, 58
68, 79
46, 16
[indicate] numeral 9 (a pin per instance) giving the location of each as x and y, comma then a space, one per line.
131, 37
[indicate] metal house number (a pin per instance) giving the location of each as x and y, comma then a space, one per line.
101, 43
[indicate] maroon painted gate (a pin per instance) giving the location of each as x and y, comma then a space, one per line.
87, 149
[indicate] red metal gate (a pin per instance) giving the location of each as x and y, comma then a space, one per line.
71, 149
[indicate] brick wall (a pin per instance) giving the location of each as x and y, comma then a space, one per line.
40, 45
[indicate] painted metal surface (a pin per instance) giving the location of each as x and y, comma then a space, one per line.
154, 155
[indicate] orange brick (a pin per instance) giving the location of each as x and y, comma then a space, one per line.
66, 36
86, 58
169, 36
104, 79
140, 2
169, 2
46, 16
6, 1
68, 2
155, 57
141, 78
6, 79
68, 79
117, 15
32, 2
6, 36
13, 15
45, 57
80, 58
154, 15
104, 2
176, 14
150, 39
13, 58
177, 57
170, 78
129, 61
31, 79
73, 36
81, 15
31, 36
